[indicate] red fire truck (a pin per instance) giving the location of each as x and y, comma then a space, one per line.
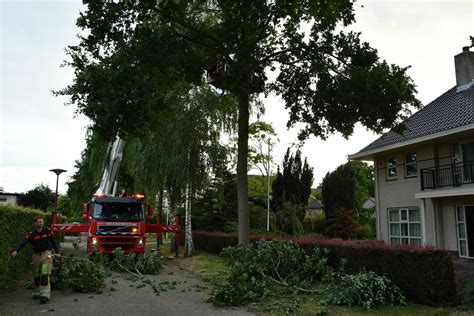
117, 221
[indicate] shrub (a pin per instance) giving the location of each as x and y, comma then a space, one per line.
16, 223
343, 225
425, 275
315, 223
288, 218
366, 218
365, 288
258, 217
230, 226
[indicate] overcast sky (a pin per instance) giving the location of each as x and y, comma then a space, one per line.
38, 133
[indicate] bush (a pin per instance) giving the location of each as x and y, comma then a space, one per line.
288, 218
16, 223
365, 288
425, 275
366, 218
343, 225
315, 223
258, 217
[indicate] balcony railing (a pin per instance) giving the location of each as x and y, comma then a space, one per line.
452, 175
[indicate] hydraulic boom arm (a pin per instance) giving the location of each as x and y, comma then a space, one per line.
108, 184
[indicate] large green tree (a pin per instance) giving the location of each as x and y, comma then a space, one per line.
338, 190
40, 197
365, 182
133, 51
349, 186
292, 184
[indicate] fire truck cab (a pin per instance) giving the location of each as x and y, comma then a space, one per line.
117, 222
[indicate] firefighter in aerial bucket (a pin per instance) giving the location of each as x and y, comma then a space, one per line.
43, 243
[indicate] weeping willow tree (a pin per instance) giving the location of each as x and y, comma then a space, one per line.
180, 154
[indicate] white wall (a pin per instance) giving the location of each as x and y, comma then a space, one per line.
399, 192
440, 221
448, 208
11, 200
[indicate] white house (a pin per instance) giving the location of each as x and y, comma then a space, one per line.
424, 179
8, 198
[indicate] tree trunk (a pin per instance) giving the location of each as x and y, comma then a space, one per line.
188, 241
242, 181
160, 202
171, 215
159, 210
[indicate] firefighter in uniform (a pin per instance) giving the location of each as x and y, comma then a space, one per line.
42, 241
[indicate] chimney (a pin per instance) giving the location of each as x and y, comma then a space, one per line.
464, 64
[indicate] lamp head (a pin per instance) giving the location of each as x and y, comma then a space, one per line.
57, 171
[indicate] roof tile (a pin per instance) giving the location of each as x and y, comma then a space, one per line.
450, 110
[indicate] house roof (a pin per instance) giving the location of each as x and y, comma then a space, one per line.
451, 110
6, 193
370, 203
315, 204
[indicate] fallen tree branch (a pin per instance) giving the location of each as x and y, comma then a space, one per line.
136, 269
283, 283
132, 273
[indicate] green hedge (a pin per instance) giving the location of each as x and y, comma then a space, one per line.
16, 223
214, 242
425, 275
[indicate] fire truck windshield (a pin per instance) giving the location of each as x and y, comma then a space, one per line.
118, 212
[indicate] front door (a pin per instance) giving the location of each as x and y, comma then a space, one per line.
465, 222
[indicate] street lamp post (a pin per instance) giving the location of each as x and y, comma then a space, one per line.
57, 172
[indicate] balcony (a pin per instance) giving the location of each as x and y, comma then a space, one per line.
452, 175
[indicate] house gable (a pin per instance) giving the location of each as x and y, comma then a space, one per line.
450, 113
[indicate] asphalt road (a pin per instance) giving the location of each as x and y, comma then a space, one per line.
122, 296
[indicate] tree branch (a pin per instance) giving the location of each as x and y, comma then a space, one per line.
269, 18
132, 273
278, 53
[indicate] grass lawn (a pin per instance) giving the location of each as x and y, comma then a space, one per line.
307, 305
208, 266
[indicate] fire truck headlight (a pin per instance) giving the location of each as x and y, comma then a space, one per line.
141, 243
94, 242
134, 229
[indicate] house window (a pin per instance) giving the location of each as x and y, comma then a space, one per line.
405, 226
410, 165
392, 168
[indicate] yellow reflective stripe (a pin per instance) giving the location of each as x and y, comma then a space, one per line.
45, 291
44, 269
